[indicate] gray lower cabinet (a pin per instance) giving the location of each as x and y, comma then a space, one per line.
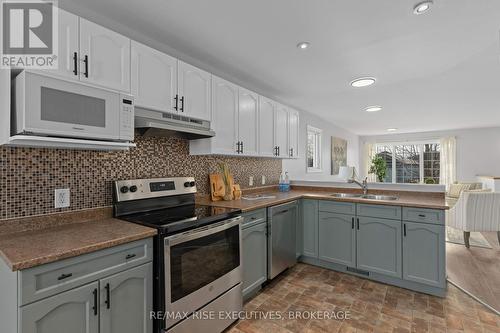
309, 212
73, 311
106, 291
126, 300
379, 246
254, 257
337, 238
424, 253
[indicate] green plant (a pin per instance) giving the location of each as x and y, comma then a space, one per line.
429, 181
378, 167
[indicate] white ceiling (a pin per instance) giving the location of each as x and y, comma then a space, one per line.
436, 71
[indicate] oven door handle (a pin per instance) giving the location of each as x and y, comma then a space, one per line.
202, 231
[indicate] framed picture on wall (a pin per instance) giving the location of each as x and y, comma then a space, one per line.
339, 154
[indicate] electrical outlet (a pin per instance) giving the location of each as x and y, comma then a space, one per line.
263, 181
61, 198
250, 181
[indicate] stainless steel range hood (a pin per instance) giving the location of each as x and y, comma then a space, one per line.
154, 123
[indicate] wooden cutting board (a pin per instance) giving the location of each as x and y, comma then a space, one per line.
217, 187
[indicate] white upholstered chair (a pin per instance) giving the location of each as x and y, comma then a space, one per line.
475, 211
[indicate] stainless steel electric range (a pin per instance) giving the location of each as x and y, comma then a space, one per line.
197, 253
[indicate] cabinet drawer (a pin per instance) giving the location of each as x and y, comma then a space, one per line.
254, 217
423, 215
337, 207
380, 211
50, 279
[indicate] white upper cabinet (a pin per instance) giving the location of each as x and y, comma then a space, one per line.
153, 79
266, 126
293, 133
224, 117
248, 118
281, 130
194, 91
68, 48
105, 57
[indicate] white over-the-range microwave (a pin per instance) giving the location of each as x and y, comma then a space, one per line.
48, 106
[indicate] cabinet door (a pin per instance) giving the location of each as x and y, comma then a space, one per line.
74, 310
293, 134
310, 228
266, 126
337, 238
194, 91
424, 253
69, 57
126, 301
225, 116
254, 257
379, 246
281, 130
247, 121
154, 79
108, 57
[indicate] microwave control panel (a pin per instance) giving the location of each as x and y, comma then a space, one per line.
127, 118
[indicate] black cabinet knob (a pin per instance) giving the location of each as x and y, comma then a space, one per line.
124, 189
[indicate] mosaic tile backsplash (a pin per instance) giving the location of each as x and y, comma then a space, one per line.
29, 176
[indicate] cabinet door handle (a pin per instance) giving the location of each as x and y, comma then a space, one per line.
64, 276
86, 62
182, 104
108, 296
421, 215
281, 212
95, 302
352, 226
291, 152
75, 63
278, 150
404, 229
357, 220
238, 147
130, 256
242, 147
176, 99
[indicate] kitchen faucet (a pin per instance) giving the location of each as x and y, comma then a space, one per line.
363, 185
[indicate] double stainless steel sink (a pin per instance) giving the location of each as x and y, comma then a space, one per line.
365, 196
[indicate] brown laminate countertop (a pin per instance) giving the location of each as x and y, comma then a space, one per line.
405, 198
31, 248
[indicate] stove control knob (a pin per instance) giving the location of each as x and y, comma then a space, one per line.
124, 189
133, 188
186, 184
192, 184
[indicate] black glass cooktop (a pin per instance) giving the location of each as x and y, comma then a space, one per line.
181, 218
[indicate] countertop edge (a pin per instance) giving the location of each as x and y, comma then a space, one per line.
76, 251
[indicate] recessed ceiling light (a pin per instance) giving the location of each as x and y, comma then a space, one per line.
363, 82
303, 45
392, 129
422, 7
373, 108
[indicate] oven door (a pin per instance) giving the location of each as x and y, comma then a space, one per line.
201, 265
55, 107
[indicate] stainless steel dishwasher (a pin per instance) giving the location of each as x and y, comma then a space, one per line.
282, 222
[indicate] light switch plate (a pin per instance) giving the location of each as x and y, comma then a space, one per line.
250, 181
263, 181
62, 198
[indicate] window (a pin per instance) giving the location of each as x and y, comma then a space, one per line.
313, 149
410, 163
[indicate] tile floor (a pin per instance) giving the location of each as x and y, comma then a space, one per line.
372, 307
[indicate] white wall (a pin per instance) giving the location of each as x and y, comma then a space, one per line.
478, 149
297, 168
